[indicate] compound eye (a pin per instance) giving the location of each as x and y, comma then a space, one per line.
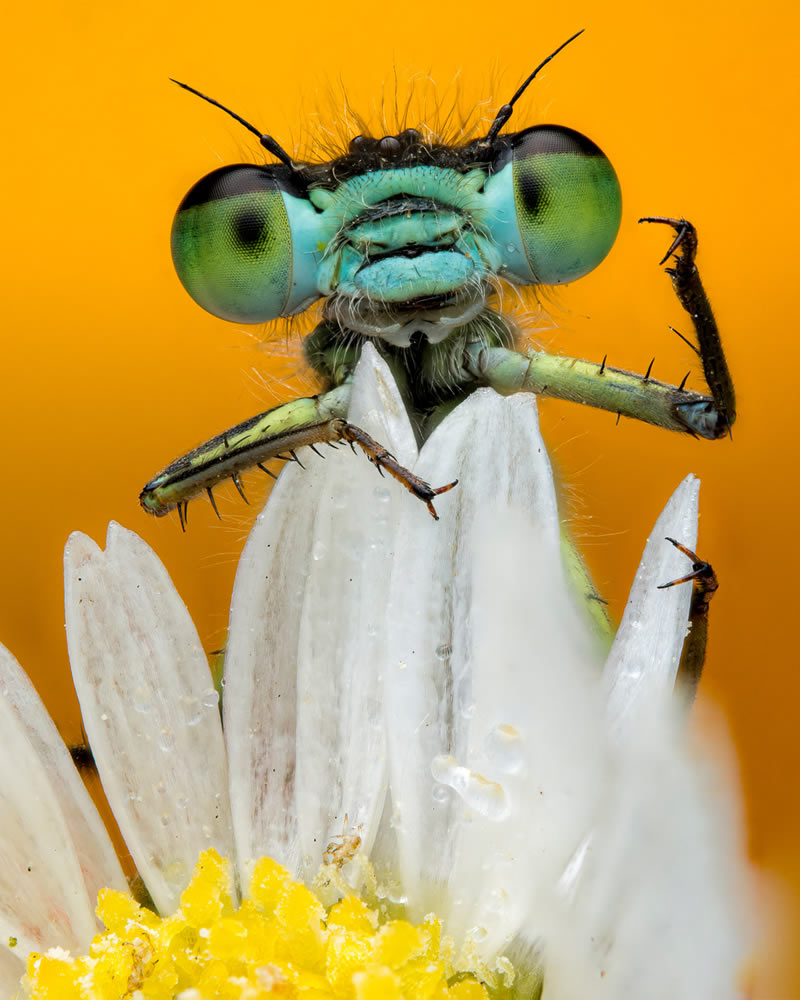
232, 244
568, 202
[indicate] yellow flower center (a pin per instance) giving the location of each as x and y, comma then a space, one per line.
281, 942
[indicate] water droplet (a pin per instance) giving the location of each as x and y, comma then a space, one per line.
487, 798
319, 551
142, 699
210, 697
443, 651
372, 630
382, 494
194, 711
477, 934
165, 819
439, 793
181, 802
497, 901
510, 248
175, 874
503, 747
161, 787
104, 717
166, 739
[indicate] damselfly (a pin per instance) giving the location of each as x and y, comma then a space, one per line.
407, 239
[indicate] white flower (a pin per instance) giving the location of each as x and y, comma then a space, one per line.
431, 691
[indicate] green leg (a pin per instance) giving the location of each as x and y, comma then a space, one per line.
622, 392
274, 434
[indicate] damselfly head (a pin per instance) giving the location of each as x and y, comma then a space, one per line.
401, 235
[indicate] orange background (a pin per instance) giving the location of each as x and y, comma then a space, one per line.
110, 371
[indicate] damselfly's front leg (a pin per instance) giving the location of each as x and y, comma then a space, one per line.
274, 434
623, 392
692, 296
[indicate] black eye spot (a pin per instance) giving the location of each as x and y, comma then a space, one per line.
534, 194
249, 227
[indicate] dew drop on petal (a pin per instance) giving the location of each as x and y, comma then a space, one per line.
382, 494
497, 901
487, 798
439, 793
166, 739
395, 895
176, 873
443, 651
503, 746
319, 551
194, 711
142, 699
396, 820
210, 697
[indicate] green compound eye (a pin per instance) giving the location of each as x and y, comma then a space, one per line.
568, 202
232, 244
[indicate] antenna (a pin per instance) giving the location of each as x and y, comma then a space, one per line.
505, 112
266, 140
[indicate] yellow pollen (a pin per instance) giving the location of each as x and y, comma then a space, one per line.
280, 943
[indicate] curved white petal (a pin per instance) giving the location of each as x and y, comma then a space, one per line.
653, 904
149, 708
643, 661
659, 907
303, 666
95, 852
485, 640
43, 897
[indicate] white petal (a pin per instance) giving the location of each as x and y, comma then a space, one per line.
302, 698
485, 635
643, 662
660, 901
12, 969
149, 708
96, 854
43, 897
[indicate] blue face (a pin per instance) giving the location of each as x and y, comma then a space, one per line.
399, 235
